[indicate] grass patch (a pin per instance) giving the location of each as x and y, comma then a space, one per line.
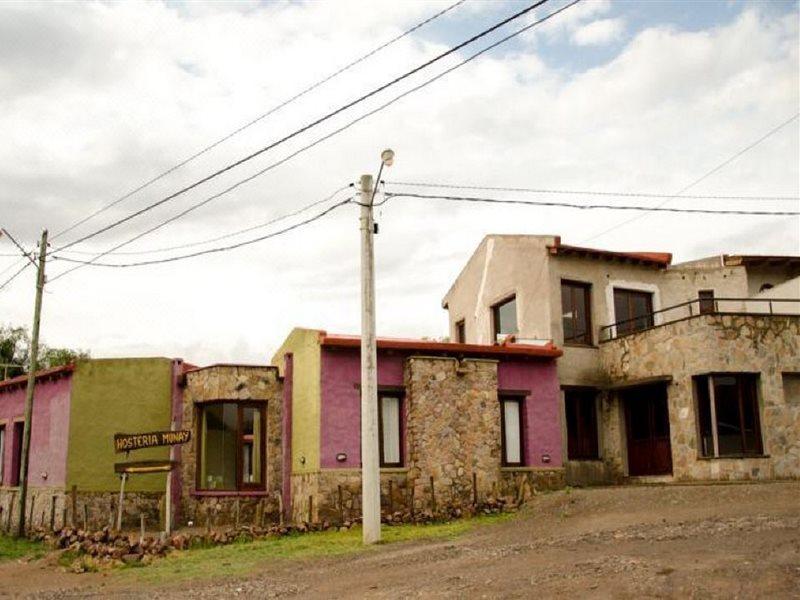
16, 548
243, 558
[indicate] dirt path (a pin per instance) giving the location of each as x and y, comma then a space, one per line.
689, 541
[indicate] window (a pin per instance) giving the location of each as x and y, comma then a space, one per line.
576, 312
232, 447
16, 454
706, 298
461, 332
2, 450
727, 415
633, 310
791, 389
511, 430
389, 416
581, 416
504, 317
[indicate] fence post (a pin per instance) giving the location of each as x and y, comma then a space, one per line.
341, 504
474, 489
433, 497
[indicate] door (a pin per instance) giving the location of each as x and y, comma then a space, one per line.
647, 424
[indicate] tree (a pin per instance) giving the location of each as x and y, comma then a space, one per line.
15, 346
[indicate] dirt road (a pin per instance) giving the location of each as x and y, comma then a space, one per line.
734, 541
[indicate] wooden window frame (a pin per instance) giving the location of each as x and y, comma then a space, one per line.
461, 331
17, 431
629, 325
594, 434
572, 285
520, 400
241, 486
3, 438
400, 434
496, 315
705, 302
710, 395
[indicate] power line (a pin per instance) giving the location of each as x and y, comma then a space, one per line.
703, 177
594, 206
227, 235
587, 192
259, 118
14, 276
210, 250
306, 127
334, 132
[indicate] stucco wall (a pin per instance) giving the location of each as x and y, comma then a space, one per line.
111, 396
49, 433
769, 346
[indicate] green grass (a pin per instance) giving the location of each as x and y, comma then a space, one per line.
12, 548
243, 558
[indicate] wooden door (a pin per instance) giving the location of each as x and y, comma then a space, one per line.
647, 424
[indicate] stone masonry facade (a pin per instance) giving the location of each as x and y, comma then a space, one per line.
231, 383
763, 344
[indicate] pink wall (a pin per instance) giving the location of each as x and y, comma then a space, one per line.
340, 413
49, 434
542, 416
341, 404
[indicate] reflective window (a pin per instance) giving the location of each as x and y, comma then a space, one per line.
504, 317
231, 446
511, 426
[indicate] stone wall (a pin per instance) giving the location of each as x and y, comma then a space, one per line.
231, 383
767, 345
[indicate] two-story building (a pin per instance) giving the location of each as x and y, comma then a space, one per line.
680, 371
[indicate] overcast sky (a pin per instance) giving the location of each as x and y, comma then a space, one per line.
97, 98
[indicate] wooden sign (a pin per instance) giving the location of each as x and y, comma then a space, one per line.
125, 442
145, 466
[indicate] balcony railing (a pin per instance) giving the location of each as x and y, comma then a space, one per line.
700, 306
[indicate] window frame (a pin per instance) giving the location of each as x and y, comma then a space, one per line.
241, 486
399, 394
17, 431
572, 285
496, 315
706, 304
704, 390
461, 331
520, 400
579, 395
2, 452
628, 324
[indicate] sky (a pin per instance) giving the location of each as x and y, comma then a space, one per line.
97, 98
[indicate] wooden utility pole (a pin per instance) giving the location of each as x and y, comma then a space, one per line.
34, 359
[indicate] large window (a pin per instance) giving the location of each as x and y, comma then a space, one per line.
576, 312
727, 414
16, 453
511, 430
232, 448
633, 310
581, 416
389, 419
504, 318
2, 450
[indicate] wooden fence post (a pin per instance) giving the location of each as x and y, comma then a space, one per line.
474, 489
391, 497
341, 504
433, 497
74, 498
310, 509
53, 512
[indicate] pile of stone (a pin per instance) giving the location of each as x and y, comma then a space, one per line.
449, 513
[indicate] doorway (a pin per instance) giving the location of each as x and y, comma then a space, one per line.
647, 425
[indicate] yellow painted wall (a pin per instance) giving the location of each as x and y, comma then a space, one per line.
304, 345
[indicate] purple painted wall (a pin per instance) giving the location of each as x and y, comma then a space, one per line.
49, 433
541, 417
340, 413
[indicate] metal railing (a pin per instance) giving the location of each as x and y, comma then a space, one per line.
697, 307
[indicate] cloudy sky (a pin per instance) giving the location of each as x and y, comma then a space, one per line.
630, 96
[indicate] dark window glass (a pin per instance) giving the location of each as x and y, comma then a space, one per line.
734, 418
576, 312
704, 416
16, 454
706, 298
505, 317
461, 332
511, 430
389, 419
633, 310
581, 415
232, 448
729, 432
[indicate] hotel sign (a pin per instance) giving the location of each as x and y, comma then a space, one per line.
125, 442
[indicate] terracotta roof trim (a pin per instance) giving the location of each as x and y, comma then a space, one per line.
55, 372
661, 259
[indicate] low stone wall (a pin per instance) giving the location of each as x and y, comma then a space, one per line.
233, 510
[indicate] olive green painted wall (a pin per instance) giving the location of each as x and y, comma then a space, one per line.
304, 345
129, 395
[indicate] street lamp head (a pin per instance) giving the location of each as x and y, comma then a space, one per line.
387, 156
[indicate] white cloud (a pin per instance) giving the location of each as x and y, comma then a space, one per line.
599, 32
121, 91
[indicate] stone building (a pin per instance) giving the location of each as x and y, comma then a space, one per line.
456, 420
674, 371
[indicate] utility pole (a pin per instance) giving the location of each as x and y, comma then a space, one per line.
370, 463
34, 356
370, 460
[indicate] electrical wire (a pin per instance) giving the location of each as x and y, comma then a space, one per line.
14, 276
588, 192
593, 206
336, 131
259, 118
308, 221
703, 177
306, 127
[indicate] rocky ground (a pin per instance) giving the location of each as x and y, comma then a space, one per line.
726, 541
